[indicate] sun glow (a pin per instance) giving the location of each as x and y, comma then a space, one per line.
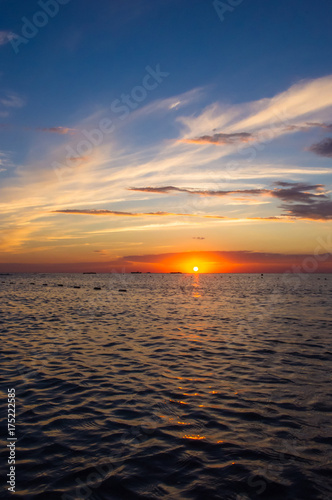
195, 269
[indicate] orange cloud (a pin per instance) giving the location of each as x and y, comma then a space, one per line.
222, 139
224, 262
208, 262
131, 214
57, 130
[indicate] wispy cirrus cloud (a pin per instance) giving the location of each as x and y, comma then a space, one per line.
12, 100
9, 101
132, 214
114, 213
34, 192
52, 130
323, 148
301, 100
5, 161
6, 36
302, 107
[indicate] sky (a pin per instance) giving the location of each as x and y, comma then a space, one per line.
158, 136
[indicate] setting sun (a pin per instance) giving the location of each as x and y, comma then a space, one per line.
195, 269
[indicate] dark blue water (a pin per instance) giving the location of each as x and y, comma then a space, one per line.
182, 387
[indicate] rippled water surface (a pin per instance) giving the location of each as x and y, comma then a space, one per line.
181, 387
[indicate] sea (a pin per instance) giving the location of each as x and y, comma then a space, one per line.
167, 386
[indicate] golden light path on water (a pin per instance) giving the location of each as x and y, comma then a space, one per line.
208, 378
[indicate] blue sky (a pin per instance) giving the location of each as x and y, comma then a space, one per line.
242, 104
90, 53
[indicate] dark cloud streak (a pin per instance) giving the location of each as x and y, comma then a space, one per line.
323, 148
158, 214
314, 211
223, 139
57, 130
306, 201
131, 214
169, 189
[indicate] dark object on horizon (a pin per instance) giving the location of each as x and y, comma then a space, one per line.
77, 287
122, 290
44, 284
90, 273
5, 274
175, 272
97, 288
31, 283
60, 284
136, 272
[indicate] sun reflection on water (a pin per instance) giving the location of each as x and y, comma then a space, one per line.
195, 285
